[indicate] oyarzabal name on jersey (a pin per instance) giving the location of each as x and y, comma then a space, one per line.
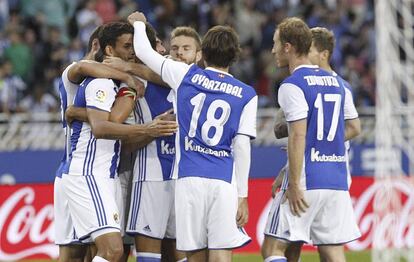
215, 85
189, 146
322, 80
315, 157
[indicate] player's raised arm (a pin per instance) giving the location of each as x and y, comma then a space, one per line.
80, 70
172, 72
139, 70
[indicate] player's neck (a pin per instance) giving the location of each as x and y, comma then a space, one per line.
223, 69
298, 61
326, 67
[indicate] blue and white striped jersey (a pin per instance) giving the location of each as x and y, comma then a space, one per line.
320, 97
67, 92
349, 113
212, 107
91, 156
154, 161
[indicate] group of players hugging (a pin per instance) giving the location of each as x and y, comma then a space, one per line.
157, 148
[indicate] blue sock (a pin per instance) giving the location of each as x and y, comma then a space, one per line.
275, 259
148, 257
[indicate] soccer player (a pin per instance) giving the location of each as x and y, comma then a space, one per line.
70, 249
153, 186
185, 46
323, 43
216, 114
121, 109
316, 104
90, 179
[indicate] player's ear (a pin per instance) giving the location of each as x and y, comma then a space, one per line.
198, 56
109, 51
95, 44
287, 47
325, 55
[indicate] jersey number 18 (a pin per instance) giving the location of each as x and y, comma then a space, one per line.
211, 120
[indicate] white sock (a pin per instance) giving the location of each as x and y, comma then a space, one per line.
275, 259
182, 260
99, 259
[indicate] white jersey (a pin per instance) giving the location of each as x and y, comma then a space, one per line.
154, 161
97, 94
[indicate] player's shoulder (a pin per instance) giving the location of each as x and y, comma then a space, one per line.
67, 68
247, 89
64, 75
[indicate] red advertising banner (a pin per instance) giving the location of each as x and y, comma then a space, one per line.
391, 224
384, 210
26, 222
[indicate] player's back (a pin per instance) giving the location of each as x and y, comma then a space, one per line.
210, 106
91, 156
67, 92
325, 161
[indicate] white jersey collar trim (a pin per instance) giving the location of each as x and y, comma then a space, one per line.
218, 71
305, 66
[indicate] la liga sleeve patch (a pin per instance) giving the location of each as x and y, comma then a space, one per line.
100, 96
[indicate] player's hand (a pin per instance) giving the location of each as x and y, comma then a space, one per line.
167, 115
242, 212
136, 85
159, 127
278, 181
136, 16
297, 202
117, 63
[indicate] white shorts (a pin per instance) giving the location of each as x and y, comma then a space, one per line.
206, 215
329, 220
64, 231
92, 204
152, 210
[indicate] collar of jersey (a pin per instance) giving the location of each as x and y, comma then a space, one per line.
218, 71
305, 66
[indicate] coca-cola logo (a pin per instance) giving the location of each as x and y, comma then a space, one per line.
385, 215
26, 224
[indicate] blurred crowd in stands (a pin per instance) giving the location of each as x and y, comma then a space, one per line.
39, 38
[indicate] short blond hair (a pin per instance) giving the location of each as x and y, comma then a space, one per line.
323, 39
189, 32
295, 31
